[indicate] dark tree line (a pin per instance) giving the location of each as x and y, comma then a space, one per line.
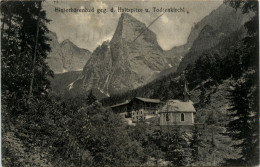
244, 124
24, 49
25, 82
239, 63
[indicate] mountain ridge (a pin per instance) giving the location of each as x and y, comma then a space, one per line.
134, 58
66, 56
227, 20
126, 62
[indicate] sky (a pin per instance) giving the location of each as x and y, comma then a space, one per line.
89, 29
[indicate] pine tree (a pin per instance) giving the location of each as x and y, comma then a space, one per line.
244, 97
194, 145
243, 126
24, 50
91, 98
202, 96
25, 81
176, 148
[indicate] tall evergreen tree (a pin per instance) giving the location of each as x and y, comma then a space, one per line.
176, 148
91, 98
202, 96
244, 113
243, 126
25, 83
24, 49
195, 143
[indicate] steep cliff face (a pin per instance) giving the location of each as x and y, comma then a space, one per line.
131, 59
210, 31
225, 19
54, 59
98, 70
66, 56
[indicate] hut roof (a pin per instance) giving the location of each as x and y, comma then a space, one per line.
149, 100
178, 106
139, 98
120, 104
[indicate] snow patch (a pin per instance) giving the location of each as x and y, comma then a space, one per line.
70, 85
102, 91
64, 70
80, 69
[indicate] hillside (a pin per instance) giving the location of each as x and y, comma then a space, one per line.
169, 84
210, 31
61, 82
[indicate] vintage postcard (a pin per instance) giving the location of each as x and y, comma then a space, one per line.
130, 83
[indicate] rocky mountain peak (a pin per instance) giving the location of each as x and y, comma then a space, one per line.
127, 19
125, 63
68, 43
66, 56
129, 28
134, 58
209, 32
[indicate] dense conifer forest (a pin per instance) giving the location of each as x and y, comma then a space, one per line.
41, 129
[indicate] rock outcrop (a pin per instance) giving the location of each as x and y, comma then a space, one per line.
66, 56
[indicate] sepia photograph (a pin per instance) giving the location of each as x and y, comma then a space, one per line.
129, 83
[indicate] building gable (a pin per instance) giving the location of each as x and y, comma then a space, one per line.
178, 106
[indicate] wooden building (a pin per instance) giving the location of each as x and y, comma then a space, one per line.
121, 108
138, 108
143, 107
